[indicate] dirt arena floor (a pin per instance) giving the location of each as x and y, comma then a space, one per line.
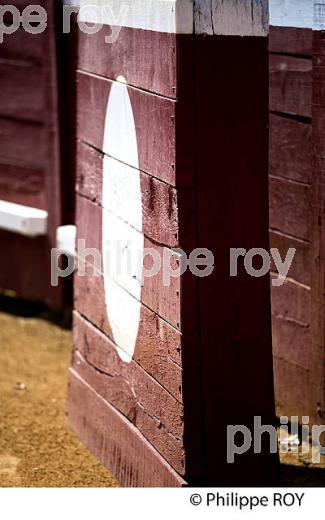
37, 449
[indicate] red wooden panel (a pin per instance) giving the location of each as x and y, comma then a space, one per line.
22, 185
318, 218
290, 85
291, 40
158, 70
30, 152
292, 302
22, 91
292, 343
295, 392
160, 124
290, 208
22, 143
115, 440
290, 149
168, 214
160, 355
161, 299
25, 267
300, 268
155, 412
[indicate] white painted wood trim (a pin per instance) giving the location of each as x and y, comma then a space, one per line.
21, 219
293, 13
319, 15
66, 239
231, 17
223, 17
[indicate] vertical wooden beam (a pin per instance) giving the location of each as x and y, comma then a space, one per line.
318, 215
231, 104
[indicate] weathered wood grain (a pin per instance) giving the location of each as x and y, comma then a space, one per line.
22, 91
244, 18
158, 350
291, 301
161, 299
155, 412
292, 343
300, 267
290, 85
22, 143
161, 70
115, 440
168, 215
162, 127
290, 149
290, 208
22, 185
296, 395
318, 218
291, 40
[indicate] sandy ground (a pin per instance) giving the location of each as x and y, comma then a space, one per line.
36, 447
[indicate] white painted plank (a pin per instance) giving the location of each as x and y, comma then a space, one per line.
231, 17
292, 13
22, 219
167, 16
66, 239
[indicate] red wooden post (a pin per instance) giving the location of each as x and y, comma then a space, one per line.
172, 154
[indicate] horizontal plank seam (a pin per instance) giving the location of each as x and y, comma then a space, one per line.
295, 117
103, 154
125, 420
291, 55
287, 235
96, 369
152, 240
292, 280
293, 321
280, 358
290, 181
22, 120
102, 333
139, 89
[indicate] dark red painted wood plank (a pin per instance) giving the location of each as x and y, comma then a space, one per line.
318, 219
22, 91
22, 144
161, 299
291, 40
22, 185
162, 127
294, 390
155, 412
290, 208
300, 268
25, 268
159, 70
160, 355
291, 301
290, 85
290, 148
168, 214
110, 436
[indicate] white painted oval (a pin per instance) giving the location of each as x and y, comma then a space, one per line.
122, 237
